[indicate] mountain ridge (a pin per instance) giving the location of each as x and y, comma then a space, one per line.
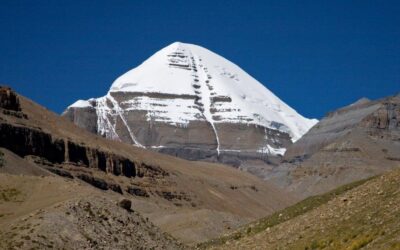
353, 142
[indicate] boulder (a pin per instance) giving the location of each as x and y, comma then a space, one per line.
125, 204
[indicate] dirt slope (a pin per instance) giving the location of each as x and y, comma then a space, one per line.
366, 216
13, 164
49, 212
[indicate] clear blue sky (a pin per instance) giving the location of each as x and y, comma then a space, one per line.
315, 55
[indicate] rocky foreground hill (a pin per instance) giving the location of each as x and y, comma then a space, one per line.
192, 201
49, 212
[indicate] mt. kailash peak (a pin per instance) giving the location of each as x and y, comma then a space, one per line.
190, 102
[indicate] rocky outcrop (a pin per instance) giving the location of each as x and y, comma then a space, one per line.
100, 183
125, 204
60, 172
170, 196
386, 118
9, 100
1, 159
136, 191
27, 141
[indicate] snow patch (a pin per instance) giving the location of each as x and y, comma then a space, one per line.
121, 115
272, 151
80, 104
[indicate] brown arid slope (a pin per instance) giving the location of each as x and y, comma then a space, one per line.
351, 143
363, 215
39, 210
193, 201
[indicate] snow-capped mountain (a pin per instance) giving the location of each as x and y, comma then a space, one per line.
190, 102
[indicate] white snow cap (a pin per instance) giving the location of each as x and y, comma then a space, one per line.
177, 68
80, 104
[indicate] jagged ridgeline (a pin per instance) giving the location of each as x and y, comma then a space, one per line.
192, 103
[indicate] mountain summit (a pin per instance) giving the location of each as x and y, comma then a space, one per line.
190, 102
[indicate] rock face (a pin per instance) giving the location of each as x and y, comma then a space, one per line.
27, 141
30, 141
125, 204
8, 99
189, 102
352, 143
